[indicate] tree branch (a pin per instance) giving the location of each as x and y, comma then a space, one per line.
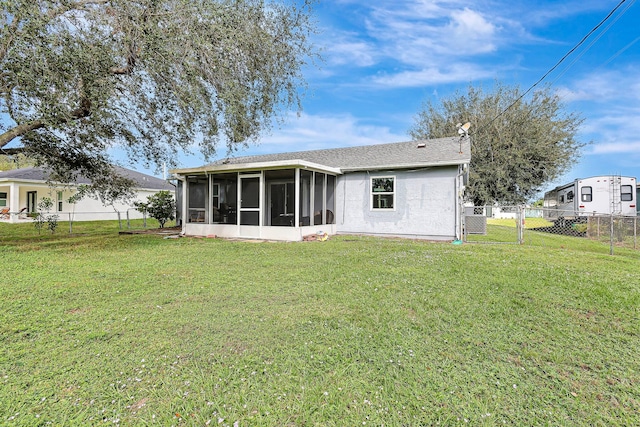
84, 110
131, 63
19, 130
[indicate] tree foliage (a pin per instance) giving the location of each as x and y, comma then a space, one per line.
152, 76
160, 206
14, 161
517, 144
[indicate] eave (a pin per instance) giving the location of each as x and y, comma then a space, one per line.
248, 167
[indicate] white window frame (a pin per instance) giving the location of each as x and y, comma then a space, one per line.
374, 193
3, 199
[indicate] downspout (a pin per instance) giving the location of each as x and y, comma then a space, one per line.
459, 191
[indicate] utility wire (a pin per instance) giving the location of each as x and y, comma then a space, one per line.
594, 41
594, 29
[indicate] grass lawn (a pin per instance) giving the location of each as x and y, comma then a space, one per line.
105, 329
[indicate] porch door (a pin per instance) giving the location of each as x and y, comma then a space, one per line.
249, 204
32, 201
281, 203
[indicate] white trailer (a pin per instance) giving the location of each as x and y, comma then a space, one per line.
598, 195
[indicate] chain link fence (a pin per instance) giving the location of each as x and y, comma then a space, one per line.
74, 222
540, 226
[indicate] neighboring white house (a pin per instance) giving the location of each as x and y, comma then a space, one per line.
408, 189
22, 189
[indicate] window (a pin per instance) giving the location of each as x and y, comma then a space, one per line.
59, 204
626, 193
570, 196
3, 199
586, 194
32, 201
383, 192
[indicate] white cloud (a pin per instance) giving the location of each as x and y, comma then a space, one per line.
346, 52
603, 86
420, 35
310, 132
459, 72
471, 32
421, 40
632, 147
610, 103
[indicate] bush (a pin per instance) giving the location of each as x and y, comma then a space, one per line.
160, 206
43, 216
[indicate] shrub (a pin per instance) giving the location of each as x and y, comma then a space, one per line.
160, 206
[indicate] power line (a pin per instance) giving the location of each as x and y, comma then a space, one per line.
594, 41
594, 29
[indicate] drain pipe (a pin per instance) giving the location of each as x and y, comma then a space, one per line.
459, 192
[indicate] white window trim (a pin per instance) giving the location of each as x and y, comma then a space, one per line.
372, 206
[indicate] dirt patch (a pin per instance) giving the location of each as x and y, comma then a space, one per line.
167, 231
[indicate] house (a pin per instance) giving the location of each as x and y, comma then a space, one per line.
22, 189
408, 189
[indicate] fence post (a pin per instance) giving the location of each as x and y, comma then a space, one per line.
635, 231
611, 229
128, 221
521, 219
119, 220
144, 219
70, 224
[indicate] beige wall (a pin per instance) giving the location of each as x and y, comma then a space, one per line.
87, 209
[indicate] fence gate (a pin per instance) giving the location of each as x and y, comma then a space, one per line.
542, 226
506, 224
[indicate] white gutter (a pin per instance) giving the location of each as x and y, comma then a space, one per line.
406, 166
239, 167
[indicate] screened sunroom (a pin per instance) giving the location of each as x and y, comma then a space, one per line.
279, 203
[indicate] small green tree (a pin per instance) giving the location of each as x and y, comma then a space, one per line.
44, 216
160, 206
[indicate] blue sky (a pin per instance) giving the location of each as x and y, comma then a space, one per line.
383, 59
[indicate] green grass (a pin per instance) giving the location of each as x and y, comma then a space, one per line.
98, 328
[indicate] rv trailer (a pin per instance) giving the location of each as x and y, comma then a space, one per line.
598, 195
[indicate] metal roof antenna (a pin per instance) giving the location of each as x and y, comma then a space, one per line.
463, 131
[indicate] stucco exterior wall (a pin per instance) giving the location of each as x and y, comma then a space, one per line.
87, 209
425, 204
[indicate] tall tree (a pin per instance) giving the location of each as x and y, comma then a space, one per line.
153, 76
517, 143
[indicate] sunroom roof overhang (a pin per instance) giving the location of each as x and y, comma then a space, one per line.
256, 167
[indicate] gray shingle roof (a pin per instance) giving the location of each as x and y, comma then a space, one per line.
432, 152
39, 174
